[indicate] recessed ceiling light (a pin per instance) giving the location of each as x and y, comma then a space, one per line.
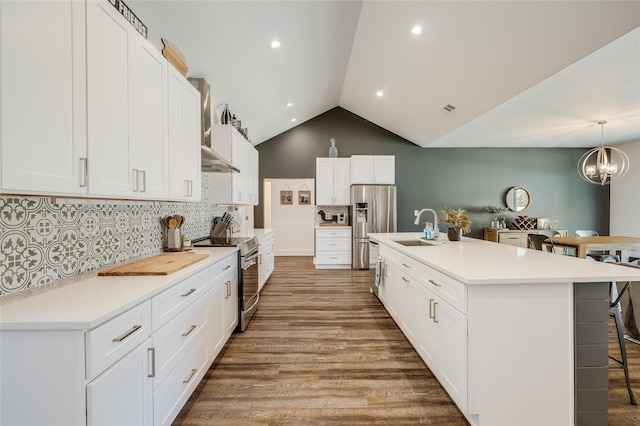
417, 30
293, 120
289, 105
379, 93
275, 44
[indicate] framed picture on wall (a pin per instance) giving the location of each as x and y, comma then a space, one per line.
304, 198
286, 197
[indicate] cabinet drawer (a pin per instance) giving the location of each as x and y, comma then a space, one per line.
448, 289
337, 258
519, 240
174, 339
169, 398
170, 302
112, 340
405, 264
223, 266
333, 233
330, 244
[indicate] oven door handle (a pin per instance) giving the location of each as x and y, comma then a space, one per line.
253, 304
250, 260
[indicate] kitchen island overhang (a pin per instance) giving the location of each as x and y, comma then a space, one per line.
536, 325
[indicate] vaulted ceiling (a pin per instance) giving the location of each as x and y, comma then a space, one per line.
519, 73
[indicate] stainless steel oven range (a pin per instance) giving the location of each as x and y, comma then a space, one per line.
248, 294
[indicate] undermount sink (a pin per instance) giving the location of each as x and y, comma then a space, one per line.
414, 243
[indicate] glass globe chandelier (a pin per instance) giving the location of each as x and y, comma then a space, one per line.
597, 165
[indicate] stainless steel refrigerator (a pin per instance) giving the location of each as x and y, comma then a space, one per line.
373, 209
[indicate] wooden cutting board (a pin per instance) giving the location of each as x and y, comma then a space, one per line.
163, 264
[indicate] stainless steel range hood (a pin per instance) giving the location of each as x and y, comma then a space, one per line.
211, 162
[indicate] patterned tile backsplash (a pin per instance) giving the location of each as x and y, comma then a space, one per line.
45, 239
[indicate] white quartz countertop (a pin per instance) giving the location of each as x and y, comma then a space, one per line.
253, 233
88, 300
474, 261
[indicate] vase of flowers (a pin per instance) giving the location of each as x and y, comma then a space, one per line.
457, 222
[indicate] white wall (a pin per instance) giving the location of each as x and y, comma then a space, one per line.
625, 196
294, 224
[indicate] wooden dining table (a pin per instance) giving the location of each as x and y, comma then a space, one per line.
611, 244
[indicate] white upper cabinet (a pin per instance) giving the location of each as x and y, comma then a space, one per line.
184, 138
373, 169
234, 188
333, 181
42, 97
127, 109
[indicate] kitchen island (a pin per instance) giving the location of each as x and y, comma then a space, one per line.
515, 336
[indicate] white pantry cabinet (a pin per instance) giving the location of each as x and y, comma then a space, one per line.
234, 188
43, 144
333, 181
184, 138
373, 169
126, 109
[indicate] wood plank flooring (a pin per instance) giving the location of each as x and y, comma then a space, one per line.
322, 350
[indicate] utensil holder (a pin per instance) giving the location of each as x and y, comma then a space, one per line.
174, 238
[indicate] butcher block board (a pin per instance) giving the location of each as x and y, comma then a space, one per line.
163, 264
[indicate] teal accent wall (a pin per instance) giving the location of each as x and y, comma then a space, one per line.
469, 178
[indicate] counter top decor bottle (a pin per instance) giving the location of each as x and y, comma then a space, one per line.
333, 151
225, 117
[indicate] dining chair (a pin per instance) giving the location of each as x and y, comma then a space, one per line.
616, 312
596, 254
536, 242
548, 233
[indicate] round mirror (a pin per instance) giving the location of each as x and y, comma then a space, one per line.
518, 199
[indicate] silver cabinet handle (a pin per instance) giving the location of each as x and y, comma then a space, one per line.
259, 259
406, 280
406, 266
431, 308
151, 355
188, 379
188, 332
226, 289
189, 292
435, 283
83, 172
143, 179
136, 175
229, 289
435, 312
226, 267
127, 333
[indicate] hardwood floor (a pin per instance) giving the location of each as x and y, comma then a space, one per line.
322, 350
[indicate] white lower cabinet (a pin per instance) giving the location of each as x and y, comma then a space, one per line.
333, 248
122, 395
266, 261
137, 368
430, 309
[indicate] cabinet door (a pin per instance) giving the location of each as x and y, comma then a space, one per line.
184, 138
342, 181
324, 181
123, 394
409, 308
384, 168
429, 332
110, 168
231, 303
389, 290
148, 142
453, 357
43, 128
193, 135
361, 169
216, 313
